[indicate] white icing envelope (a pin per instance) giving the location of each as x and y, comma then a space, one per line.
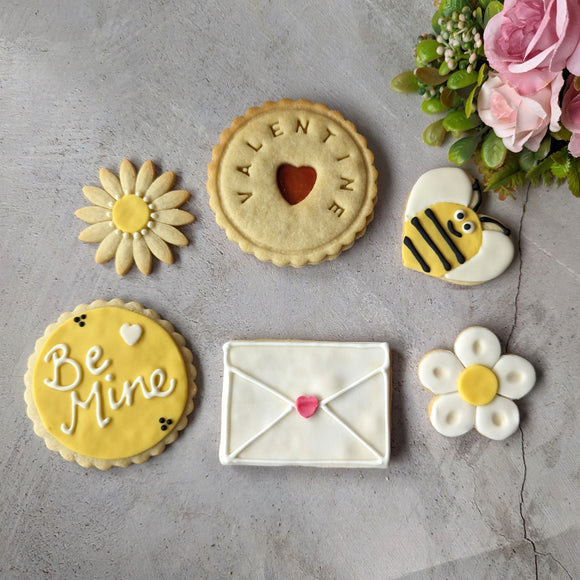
270, 388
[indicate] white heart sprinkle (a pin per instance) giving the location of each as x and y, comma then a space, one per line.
131, 333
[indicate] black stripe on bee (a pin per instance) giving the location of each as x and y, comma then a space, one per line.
408, 242
460, 257
417, 224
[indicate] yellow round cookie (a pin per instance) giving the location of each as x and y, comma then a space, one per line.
110, 384
292, 182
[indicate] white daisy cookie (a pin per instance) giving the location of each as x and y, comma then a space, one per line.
475, 385
134, 217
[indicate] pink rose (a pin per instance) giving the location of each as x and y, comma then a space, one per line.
571, 115
520, 121
542, 36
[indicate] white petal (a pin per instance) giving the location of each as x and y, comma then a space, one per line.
439, 370
477, 346
516, 376
498, 420
451, 415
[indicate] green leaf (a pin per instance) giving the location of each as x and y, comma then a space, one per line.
435, 134
448, 97
484, 3
427, 50
458, 121
461, 79
541, 171
444, 69
492, 9
462, 150
526, 159
544, 148
447, 7
405, 82
563, 134
574, 176
482, 74
469, 102
493, 151
435, 24
433, 106
560, 163
508, 177
429, 75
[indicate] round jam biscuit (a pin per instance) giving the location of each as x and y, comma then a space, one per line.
292, 182
110, 383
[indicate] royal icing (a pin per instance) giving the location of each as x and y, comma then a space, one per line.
320, 404
445, 237
475, 385
103, 381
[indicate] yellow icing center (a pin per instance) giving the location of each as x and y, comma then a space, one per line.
110, 385
477, 385
130, 214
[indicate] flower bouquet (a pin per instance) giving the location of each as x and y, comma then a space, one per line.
506, 77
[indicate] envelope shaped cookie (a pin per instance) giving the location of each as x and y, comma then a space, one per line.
322, 404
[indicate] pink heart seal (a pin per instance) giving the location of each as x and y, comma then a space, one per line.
306, 406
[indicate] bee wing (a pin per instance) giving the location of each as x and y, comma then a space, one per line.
493, 258
445, 184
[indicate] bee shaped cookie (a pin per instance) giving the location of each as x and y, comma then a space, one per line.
444, 236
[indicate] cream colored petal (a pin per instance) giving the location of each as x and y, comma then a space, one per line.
142, 255
160, 186
124, 255
451, 415
516, 376
98, 196
173, 217
93, 214
108, 247
111, 183
477, 345
96, 232
169, 234
439, 370
127, 176
171, 200
145, 178
497, 420
158, 247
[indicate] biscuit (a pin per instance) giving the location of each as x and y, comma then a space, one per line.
475, 385
443, 235
292, 182
134, 217
317, 404
110, 384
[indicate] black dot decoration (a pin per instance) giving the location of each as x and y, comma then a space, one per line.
80, 320
165, 423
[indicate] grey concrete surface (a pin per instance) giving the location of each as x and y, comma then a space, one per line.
85, 83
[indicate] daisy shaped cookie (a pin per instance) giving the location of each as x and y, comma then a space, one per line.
475, 386
134, 217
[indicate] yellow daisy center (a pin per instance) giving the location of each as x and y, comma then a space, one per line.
130, 214
477, 385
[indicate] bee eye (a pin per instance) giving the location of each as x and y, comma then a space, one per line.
459, 215
468, 227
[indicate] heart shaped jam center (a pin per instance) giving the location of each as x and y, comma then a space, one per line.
295, 183
306, 406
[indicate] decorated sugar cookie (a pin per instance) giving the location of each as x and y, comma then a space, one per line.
292, 182
445, 237
110, 384
319, 404
134, 217
475, 385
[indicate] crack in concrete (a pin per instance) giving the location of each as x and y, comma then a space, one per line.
527, 537
550, 555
